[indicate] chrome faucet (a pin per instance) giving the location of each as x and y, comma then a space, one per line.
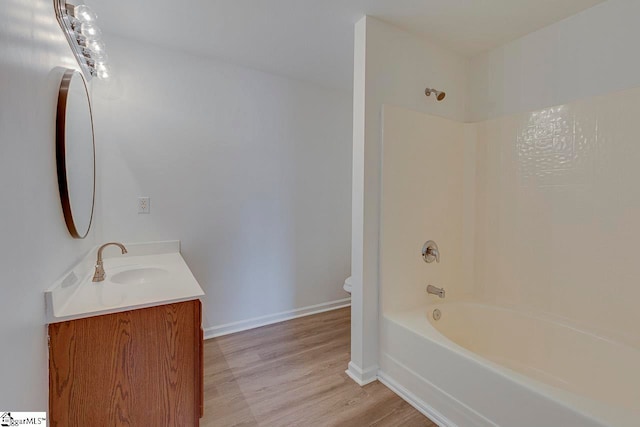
99, 274
435, 291
430, 252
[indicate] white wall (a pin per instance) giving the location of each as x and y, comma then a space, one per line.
36, 247
249, 170
424, 194
558, 208
591, 53
540, 206
391, 66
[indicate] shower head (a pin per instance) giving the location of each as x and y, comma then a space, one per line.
438, 94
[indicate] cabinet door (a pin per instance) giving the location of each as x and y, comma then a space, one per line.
136, 368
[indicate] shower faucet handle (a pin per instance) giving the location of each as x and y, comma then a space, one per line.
430, 252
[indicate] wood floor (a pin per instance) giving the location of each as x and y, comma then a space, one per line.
292, 374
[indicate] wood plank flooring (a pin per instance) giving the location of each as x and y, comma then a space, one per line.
292, 374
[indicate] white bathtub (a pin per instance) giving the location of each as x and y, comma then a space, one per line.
481, 365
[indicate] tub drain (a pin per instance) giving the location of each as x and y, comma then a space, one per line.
437, 314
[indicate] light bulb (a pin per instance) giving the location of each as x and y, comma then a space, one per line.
84, 13
97, 50
103, 71
101, 57
89, 31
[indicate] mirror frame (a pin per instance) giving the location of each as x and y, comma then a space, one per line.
61, 163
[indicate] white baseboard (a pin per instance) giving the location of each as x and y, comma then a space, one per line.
414, 401
256, 322
362, 377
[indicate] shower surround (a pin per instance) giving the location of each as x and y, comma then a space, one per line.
535, 215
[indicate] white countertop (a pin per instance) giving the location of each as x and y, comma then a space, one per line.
75, 296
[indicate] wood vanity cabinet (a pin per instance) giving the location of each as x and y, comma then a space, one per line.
135, 368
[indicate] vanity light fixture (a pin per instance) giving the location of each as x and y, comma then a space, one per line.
78, 22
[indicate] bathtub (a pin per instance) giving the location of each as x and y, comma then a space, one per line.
483, 365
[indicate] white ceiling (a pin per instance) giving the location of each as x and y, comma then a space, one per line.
313, 39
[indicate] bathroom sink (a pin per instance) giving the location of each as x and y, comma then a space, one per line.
149, 275
139, 276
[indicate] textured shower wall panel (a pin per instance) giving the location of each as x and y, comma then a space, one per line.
558, 208
423, 192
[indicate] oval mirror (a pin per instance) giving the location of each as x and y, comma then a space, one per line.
75, 153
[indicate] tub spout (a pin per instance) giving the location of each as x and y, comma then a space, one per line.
435, 291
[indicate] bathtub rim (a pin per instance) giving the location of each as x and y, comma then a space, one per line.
603, 334
598, 411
